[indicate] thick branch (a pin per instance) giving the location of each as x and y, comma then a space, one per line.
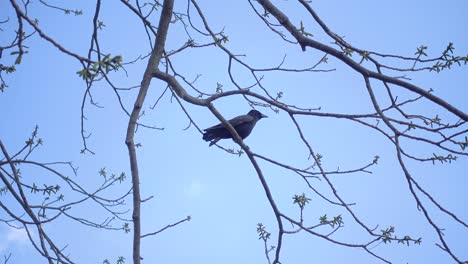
153, 63
304, 41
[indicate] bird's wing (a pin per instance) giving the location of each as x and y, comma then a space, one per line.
234, 122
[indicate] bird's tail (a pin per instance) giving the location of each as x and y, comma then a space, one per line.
210, 136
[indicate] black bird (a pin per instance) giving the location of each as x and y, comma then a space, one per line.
242, 124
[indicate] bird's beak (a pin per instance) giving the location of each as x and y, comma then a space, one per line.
264, 116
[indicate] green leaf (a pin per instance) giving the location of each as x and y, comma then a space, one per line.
323, 219
18, 59
103, 172
301, 200
421, 51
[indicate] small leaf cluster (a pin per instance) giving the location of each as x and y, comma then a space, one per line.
262, 233
348, 52
238, 152
6, 69
126, 228
376, 159
301, 200
48, 189
219, 88
120, 260
318, 158
221, 38
304, 32
3, 190
105, 65
34, 141
279, 95
449, 158
20, 55
463, 145
76, 12
103, 172
387, 237
337, 220
448, 59
421, 51
436, 120
365, 56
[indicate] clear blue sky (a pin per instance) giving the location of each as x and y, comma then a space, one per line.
220, 191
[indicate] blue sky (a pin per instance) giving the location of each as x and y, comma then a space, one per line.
221, 192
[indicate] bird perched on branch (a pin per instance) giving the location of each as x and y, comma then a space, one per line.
242, 124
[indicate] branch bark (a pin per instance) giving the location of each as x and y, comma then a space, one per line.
153, 63
305, 41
